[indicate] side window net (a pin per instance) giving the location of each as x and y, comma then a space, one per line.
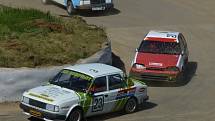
99, 85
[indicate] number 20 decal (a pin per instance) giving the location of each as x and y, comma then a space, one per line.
98, 103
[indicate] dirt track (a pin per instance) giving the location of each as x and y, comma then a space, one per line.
126, 26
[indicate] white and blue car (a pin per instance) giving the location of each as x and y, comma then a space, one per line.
84, 90
95, 5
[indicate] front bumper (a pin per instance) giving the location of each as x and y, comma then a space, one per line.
150, 76
44, 115
91, 6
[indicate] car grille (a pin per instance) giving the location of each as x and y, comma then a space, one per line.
155, 69
154, 78
37, 104
94, 2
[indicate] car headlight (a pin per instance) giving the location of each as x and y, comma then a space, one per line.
173, 68
139, 66
53, 108
25, 100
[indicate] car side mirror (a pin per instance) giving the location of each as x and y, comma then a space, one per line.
136, 50
182, 52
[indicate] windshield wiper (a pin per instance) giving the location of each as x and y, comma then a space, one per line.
149, 52
170, 53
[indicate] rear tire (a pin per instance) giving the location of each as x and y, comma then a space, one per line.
130, 106
76, 115
70, 8
107, 10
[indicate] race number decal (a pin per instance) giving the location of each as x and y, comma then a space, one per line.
98, 103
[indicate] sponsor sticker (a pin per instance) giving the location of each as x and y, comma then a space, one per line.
155, 64
78, 75
41, 97
126, 93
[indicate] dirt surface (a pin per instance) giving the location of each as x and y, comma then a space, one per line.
193, 100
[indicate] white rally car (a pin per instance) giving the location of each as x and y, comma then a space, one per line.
84, 90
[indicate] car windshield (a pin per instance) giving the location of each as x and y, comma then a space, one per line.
72, 80
158, 47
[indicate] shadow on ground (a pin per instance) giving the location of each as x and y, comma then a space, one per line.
103, 117
144, 106
110, 12
117, 62
190, 72
89, 13
34, 119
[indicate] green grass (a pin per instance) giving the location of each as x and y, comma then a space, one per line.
31, 38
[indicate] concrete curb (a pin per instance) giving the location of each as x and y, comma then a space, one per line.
14, 81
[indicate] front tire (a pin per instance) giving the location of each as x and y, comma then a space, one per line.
181, 77
70, 8
186, 64
76, 115
131, 105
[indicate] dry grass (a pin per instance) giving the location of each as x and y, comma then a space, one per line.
31, 38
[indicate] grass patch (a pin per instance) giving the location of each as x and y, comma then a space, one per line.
31, 38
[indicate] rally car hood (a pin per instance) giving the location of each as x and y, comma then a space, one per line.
157, 60
51, 94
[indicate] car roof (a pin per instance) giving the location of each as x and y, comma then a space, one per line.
163, 36
94, 69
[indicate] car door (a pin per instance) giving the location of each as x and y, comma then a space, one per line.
117, 92
99, 96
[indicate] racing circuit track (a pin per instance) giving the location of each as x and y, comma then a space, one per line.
194, 99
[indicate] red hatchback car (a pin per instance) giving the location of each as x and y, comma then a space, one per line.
161, 56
